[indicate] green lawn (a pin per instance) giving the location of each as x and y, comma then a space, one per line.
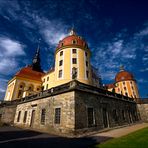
138, 139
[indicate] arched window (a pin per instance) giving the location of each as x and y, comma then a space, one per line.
38, 88
30, 89
21, 90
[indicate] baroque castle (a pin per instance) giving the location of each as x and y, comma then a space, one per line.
69, 98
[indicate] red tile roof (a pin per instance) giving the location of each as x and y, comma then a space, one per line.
108, 86
69, 39
28, 73
123, 76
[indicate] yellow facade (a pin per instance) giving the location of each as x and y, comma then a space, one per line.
20, 87
72, 61
126, 88
64, 62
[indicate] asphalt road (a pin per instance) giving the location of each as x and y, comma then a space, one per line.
15, 137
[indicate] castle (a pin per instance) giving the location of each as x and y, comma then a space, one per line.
69, 98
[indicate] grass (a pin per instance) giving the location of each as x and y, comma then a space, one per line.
138, 139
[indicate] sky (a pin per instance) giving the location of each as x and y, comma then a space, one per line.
115, 30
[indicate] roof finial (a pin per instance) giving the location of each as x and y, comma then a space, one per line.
121, 68
38, 47
72, 31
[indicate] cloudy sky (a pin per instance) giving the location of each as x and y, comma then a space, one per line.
116, 31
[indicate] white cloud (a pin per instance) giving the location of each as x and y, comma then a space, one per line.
11, 50
144, 70
8, 65
110, 54
145, 58
3, 87
52, 31
142, 80
110, 75
116, 47
10, 47
143, 32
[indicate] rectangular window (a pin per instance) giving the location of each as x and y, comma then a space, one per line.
90, 116
74, 61
47, 78
57, 115
18, 117
47, 86
25, 117
61, 53
60, 73
60, 62
86, 54
87, 63
74, 51
87, 74
126, 93
43, 115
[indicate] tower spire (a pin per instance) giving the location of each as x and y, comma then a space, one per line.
36, 60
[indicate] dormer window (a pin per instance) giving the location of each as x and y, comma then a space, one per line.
62, 44
74, 41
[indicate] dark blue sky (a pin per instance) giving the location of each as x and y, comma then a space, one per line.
116, 31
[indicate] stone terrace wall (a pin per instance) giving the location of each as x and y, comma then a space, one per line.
143, 110
64, 101
7, 113
98, 102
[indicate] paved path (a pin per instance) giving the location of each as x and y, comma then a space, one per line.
15, 137
115, 133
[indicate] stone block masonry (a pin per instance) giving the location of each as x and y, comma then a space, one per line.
75, 108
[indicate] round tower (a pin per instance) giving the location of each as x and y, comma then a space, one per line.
126, 84
72, 60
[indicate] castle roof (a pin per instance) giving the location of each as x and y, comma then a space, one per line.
109, 86
72, 39
124, 76
29, 73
